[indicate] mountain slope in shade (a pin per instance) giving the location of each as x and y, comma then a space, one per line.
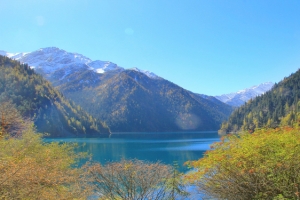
241, 97
127, 100
36, 99
131, 101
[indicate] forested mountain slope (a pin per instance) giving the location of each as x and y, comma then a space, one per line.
132, 101
36, 99
279, 106
126, 99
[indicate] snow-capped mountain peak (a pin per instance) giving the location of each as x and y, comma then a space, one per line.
259, 89
147, 73
50, 60
240, 97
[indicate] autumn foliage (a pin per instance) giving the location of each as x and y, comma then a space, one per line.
261, 165
32, 169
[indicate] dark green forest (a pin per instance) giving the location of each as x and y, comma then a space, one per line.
279, 106
37, 100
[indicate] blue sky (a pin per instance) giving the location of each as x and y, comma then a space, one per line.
206, 46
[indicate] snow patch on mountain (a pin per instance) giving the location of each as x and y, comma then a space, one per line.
51, 59
15, 56
11, 55
147, 73
103, 66
242, 96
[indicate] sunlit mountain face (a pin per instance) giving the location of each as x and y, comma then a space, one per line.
126, 99
36, 99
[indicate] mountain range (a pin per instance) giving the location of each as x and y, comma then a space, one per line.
48, 61
125, 99
241, 97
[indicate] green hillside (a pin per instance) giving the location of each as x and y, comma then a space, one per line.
36, 99
279, 106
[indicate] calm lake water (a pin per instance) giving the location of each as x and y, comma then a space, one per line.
164, 147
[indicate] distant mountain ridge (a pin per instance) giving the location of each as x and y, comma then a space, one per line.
279, 106
241, 97
49, 60
126, 99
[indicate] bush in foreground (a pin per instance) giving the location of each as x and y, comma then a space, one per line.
136, 179
32, 169
262, 165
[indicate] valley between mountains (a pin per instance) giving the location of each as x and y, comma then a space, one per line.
131, 100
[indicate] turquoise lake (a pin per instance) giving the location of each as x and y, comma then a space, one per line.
165, 147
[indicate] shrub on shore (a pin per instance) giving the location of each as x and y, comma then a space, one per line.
261, 165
